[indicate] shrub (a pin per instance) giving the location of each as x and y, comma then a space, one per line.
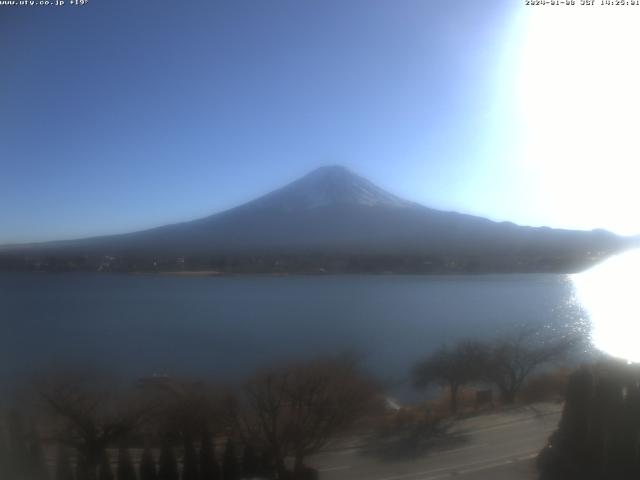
545, 387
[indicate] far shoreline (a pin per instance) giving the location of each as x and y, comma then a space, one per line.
314, 273
215, 273
189, 273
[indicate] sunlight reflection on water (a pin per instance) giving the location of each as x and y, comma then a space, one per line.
609, 295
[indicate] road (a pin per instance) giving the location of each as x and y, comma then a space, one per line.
496, 446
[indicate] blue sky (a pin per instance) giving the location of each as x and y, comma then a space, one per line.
122, 115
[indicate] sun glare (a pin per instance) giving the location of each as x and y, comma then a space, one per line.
579, 101
609, 295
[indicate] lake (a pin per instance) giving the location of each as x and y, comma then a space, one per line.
225, 327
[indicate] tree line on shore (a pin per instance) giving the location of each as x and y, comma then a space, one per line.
301, 263
168, 429
504, 363
24, 458
164, 428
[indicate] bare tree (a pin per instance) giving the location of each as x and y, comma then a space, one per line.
452, 367
4, 456
325, 398
296, 411
514, 357
90, 414
261, 414
184, 410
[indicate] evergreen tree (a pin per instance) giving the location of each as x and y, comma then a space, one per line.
63, 465
209, 468
250, 461
265, 465
147, 465
230, 469
190, 462
18, 451
4, 456
126, 471
82, 469
104, 470
168, 468
37, 461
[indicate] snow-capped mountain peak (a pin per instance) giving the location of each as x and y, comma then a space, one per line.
327, 186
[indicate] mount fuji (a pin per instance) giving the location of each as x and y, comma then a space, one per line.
335, 213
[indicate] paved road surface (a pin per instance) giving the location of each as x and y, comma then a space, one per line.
500, 446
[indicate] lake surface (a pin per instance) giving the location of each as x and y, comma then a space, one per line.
225, 327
